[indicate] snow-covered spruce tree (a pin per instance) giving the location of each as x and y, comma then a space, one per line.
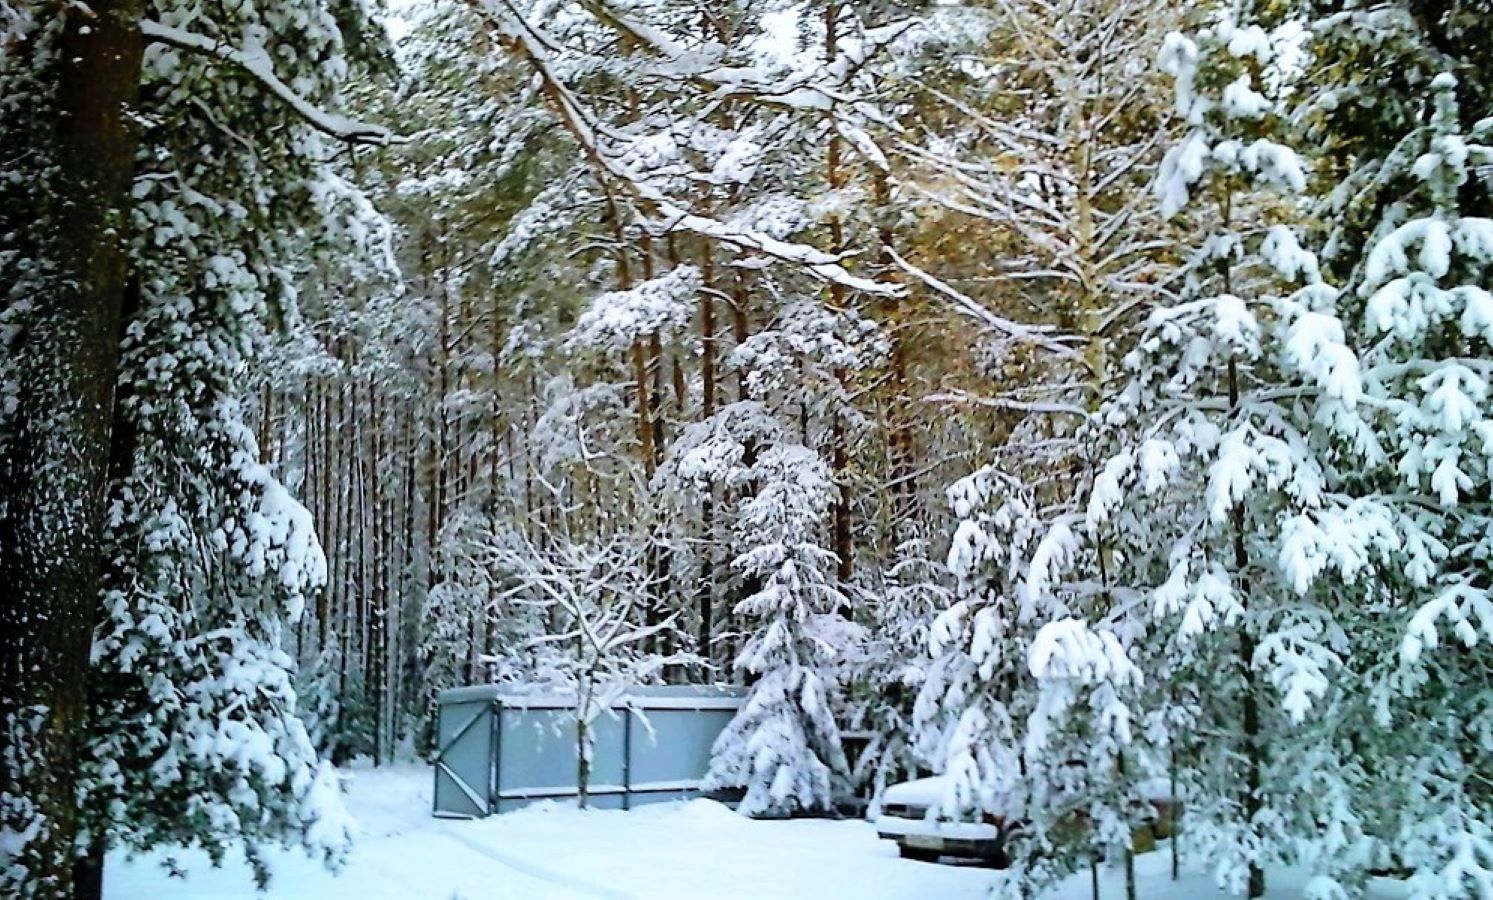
783, 746
194, 738
1427, 320
1227, 439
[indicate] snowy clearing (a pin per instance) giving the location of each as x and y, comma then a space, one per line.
675, 851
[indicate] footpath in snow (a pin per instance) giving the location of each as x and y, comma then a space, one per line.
698, 850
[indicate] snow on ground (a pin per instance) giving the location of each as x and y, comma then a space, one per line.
675, 851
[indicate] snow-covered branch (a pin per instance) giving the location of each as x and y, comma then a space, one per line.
534, 48
1041, 335
257, 64
964, 397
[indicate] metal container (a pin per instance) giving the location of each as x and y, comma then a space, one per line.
501, 748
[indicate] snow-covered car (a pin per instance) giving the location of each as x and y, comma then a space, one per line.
910, 816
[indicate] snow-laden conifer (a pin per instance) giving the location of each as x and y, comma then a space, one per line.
1239, 396
196, 738
783, 746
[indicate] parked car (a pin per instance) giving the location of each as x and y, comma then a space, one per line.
910, 816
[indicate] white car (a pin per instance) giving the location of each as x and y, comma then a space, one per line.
909, 816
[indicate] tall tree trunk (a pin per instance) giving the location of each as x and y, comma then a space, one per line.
327, 474
341, 497
54, 467
373, 677
839, 455
901, 452
1254, 750
705, 593
409, 643
436, 501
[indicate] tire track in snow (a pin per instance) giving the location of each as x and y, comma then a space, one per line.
538, 872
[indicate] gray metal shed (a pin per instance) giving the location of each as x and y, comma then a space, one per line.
499, 748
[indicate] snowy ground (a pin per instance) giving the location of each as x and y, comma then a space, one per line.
684, 851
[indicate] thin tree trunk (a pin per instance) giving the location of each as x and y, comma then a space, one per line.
900, 451
408, 579
839, 456
341, 519
328, 474
645, 428
373, 677
705, 592
1176, 808
1253, 751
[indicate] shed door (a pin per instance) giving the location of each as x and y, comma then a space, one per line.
463, 763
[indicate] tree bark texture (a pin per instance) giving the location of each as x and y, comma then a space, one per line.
67, 228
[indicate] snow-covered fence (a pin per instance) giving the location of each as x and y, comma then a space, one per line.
500, 749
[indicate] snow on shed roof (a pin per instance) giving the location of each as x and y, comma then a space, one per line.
658, 696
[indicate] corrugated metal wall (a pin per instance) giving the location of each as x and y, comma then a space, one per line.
500, 749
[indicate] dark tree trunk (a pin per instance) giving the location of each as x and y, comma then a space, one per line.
835, 177
1254, 750
88, 873
54, 457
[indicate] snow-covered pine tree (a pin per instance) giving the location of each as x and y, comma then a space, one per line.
969, 709
68, 77
194, 737
1405, 205
982, 721
1058, 122
1240, 396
